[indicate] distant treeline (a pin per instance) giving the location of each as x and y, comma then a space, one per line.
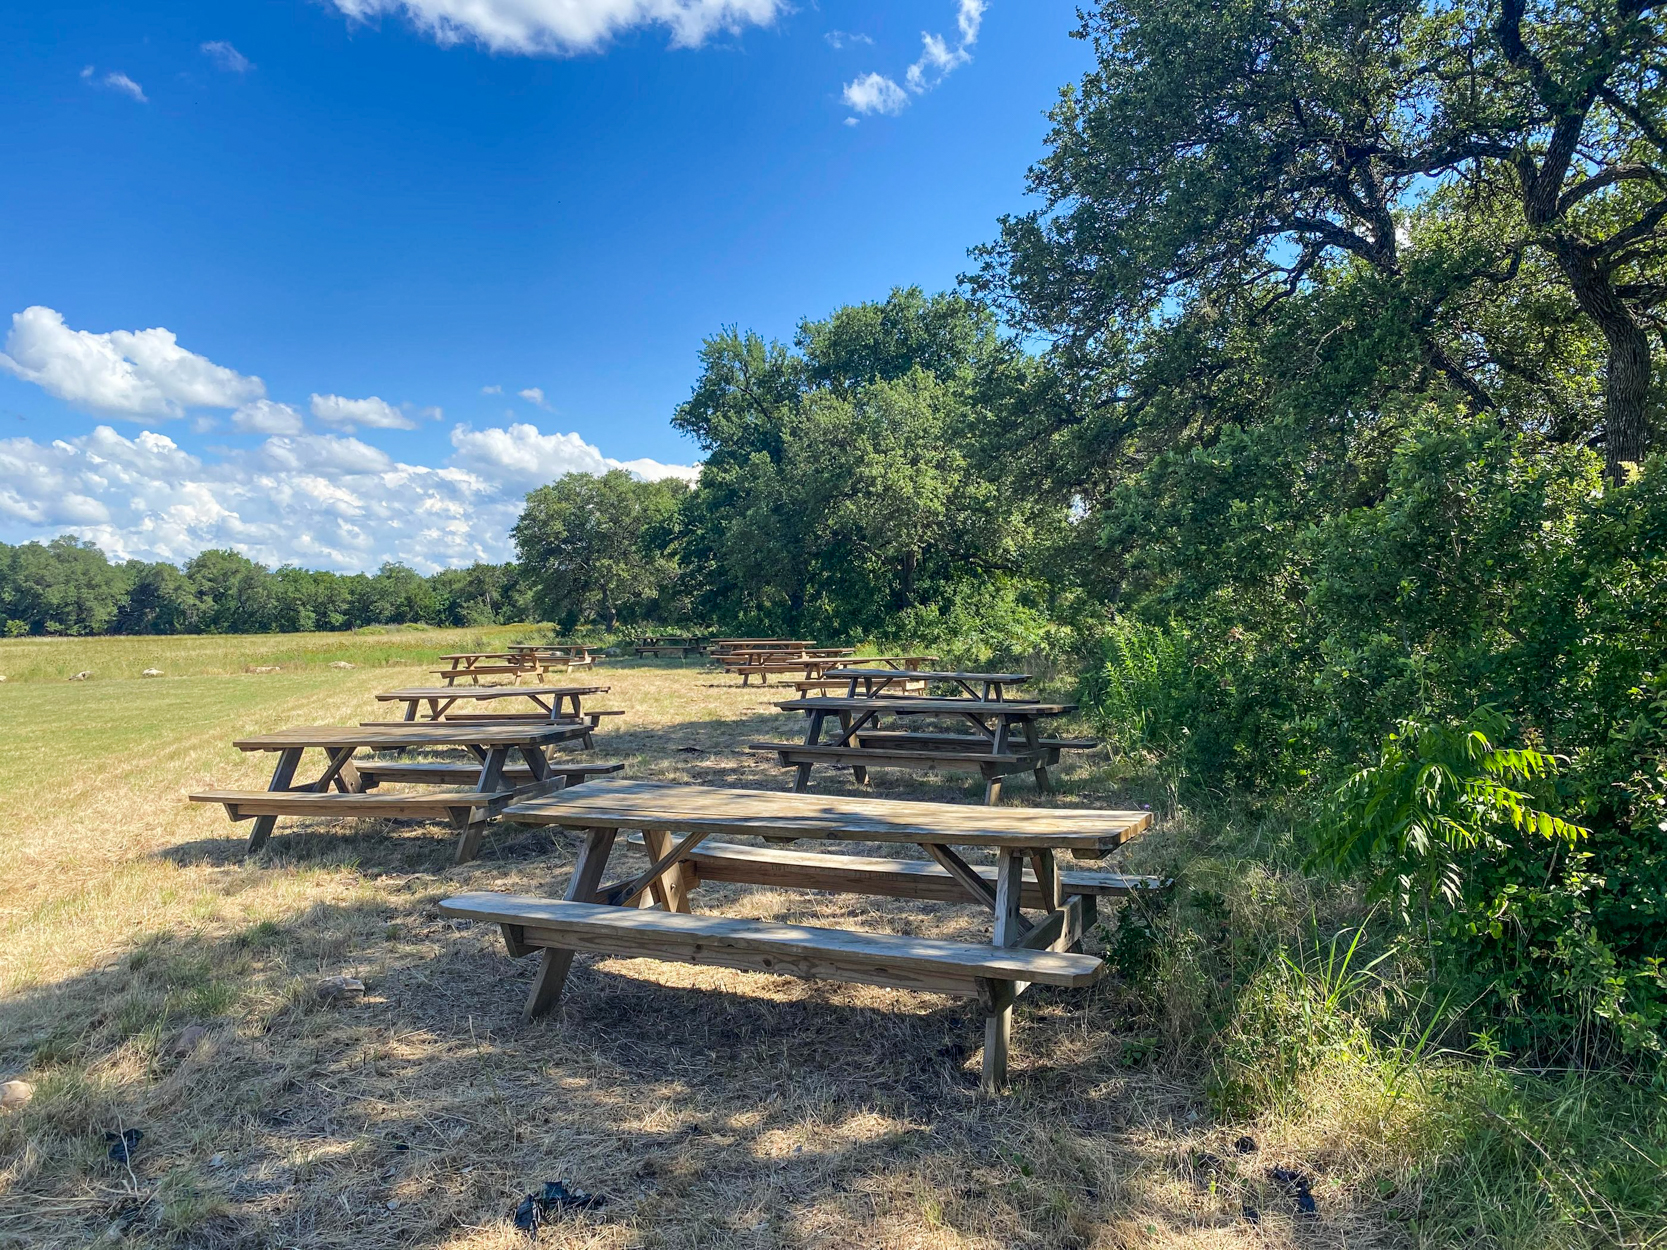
70, 587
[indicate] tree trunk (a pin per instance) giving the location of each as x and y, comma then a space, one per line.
1627, 380
910, 560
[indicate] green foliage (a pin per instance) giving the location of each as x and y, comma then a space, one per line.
70, 587
597, 545
1439, 795
839, 495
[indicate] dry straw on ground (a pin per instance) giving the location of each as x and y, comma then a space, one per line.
706, 1107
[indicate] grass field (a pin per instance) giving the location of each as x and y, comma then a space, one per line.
706, 1107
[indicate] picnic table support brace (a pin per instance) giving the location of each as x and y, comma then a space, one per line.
554, 965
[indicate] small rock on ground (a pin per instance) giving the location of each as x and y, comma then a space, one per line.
151, 672
15, 1094
190, 1037
340, 990
342, 664
81, 676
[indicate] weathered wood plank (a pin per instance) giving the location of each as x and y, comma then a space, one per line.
634, 804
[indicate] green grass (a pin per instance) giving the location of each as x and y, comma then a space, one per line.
197, 655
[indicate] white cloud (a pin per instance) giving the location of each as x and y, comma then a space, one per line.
265, 416
557, 27
118, 81
348, 414
875, 93
320, 500
142, 373
522, 456
841, 39
533, 395
491, 390
226, 57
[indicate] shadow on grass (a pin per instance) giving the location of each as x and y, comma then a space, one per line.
719, 1108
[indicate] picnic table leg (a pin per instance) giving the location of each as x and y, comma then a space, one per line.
801, 782
552, 969
859, 772
288, 760
998, 1001
491, 780
1033, 742
671, 888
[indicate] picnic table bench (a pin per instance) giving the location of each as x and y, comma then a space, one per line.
1005, 740
555, 704
484, 790
648, 913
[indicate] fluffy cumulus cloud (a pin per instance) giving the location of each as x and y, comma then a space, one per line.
875, 93
319, 500
322, 500
265, 416
559, 27
133, 373
522, 456
348, 414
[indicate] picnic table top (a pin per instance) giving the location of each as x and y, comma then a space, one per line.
918, 705
392, 734
479, 655
622, 804
485, 692
917, 674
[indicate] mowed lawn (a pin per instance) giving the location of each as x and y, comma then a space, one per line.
704, 1107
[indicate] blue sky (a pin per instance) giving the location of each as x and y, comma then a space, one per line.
230, 229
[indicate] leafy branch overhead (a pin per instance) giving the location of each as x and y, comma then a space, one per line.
1226, 153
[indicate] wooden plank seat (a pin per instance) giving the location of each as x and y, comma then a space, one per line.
908, 740
825, 754
461, 805
536, 718
929, 964
379, 772
889, 878
485, 670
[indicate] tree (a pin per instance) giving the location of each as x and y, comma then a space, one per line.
1218, 150
839, 486
598, 543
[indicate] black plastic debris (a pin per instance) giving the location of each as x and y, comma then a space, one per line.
121, 1149
1246, 1145
1296, 1185
539, 1208
1252, 1215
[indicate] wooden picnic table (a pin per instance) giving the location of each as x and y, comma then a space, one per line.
679, 645
468, 807
1004, 738
609, 917
988, 687
555, 704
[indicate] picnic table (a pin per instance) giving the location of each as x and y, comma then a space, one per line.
564, 655
678, 645
555, 704
900, 671
477, 664
468, 794
647, 912
988, 687
1004, 740
809, 661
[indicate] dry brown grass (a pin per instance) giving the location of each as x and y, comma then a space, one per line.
708, 1107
